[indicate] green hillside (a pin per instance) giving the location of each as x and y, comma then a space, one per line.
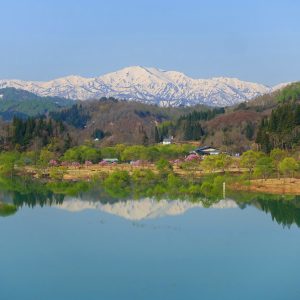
267, 122
15, 102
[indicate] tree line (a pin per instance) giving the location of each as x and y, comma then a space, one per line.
187, 126
24, 133
281, 129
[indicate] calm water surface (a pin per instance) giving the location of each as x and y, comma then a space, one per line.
146, 249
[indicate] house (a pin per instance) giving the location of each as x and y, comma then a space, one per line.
207, 150
167, 141
111, 160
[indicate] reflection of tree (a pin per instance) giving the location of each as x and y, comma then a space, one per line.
117, 186
7, 209
143, 183
282, 211
24, 191
285, 210
33, 199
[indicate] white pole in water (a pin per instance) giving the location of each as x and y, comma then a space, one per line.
224, 190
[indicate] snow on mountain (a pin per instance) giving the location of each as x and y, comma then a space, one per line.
143, 209
148, 85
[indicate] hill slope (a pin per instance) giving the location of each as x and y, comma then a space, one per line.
16, 102
269, 121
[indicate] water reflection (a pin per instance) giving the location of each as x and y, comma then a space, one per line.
143, 208
74, 197
284, 211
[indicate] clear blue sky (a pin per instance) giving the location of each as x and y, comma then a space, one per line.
256, 40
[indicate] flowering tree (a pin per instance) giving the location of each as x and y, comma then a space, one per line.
176, 161
192, 157
137, 163
75, 164
88, 163
53, 163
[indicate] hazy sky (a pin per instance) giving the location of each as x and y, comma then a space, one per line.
255, 40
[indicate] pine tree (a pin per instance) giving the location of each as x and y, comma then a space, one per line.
156, 135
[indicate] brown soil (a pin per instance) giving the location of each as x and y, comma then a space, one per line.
289, 186
233, 119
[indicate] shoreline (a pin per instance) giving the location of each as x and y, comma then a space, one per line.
282, 186
88, 172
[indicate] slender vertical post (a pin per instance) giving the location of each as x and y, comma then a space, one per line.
224, 190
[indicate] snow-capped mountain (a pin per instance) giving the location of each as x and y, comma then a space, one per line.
148, 85
143, 209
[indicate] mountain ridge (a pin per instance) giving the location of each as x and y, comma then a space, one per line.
148, 85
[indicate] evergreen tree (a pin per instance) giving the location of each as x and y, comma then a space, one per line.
156, 135
281, 129
249, 130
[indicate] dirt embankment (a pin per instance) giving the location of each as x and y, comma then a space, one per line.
288, 186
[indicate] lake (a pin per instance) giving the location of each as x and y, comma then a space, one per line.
85, 246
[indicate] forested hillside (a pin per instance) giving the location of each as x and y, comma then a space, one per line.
270, 121
111, 121
282, 128
16, 102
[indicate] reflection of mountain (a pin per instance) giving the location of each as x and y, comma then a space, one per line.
141, 209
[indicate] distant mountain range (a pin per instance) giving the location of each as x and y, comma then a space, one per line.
148, 85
